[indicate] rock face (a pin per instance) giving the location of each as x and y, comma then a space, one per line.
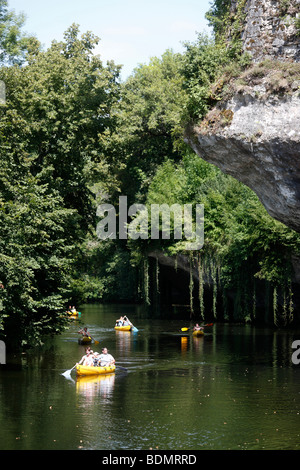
271, 28
260, 147
258, 142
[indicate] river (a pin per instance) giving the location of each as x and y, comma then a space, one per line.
234, 388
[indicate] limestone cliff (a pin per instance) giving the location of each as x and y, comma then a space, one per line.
255, 137
270, 29
254, 133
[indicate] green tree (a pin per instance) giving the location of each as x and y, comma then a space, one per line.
65, 94
57, 107
146, 130
35, 250
243, 245
202, 64
14, 43
147, 125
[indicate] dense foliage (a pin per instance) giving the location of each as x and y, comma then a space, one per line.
243, 244
72, 136
147, 127
14, 43
57, 106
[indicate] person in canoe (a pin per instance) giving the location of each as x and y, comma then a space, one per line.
84, 332
120, 321
127, 322
72, 311
197, 327
88, 358
105, 359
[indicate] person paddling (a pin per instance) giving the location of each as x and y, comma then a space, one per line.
127, 321
197, 327
88, 358
106, 359
84, 332
120, 321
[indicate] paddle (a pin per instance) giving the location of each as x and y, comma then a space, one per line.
68, 372
186, 329
96, 342
132, 326
86, 333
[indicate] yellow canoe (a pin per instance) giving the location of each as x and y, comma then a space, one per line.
91, 370
198, 333
85, 340
123, 328
73, 314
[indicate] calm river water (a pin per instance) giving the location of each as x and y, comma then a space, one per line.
235, 388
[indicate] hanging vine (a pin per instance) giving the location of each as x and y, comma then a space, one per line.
275, 310
201, 287
291, 305
191, 284
254, 301
176, 263
283, 316
146, 281
157, 276
213, 275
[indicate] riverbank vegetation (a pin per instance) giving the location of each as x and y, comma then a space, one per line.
74, 136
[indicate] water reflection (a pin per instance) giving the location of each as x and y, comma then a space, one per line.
93, 386
191, 343
123, 342
184, 344
198, 343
